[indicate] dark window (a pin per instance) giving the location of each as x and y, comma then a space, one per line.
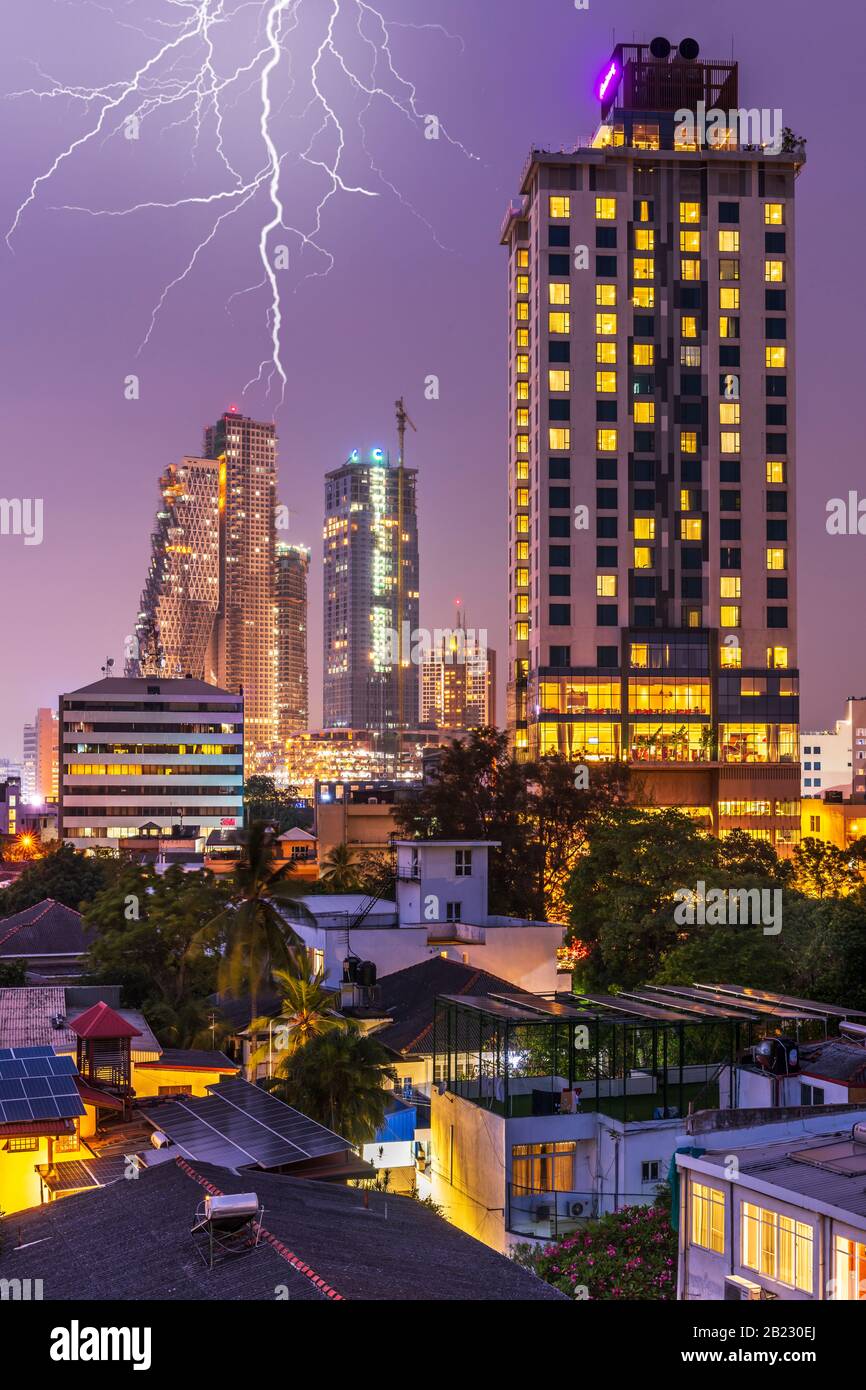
777, 530
559, 468
560, 656
777, 444
558, 265
644, 500
691, 412
729, 212
559, 410
775, 242
777, 415
559, 497
690, 297
559, 615
606, 497
606, 615
729, 471
559, 352
777, 588
730, 557
690, 470
777, 617
644, 442
605, 556
605, 527
777, 501
729, 501
644, 470
729, 356
775, 300
605, 470
777, 386
605, 267
691, 557
605, 237
644, 325
643, 384
558, 236
559, 555
560, 585
775, 328
644, 615
559, 526
644, 586
605, 411
607, 657
691, 587
729, 530
690, 384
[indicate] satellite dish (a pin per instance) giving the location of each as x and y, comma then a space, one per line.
660, 48
689, 49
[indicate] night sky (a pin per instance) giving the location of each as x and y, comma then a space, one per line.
416, 288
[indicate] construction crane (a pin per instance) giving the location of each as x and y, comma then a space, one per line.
402, 421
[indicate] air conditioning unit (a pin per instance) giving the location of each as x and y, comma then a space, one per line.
576, 1208
736, 1287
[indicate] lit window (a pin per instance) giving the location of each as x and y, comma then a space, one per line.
605, 324
729, 241
777, 658
522, 420
777, 1246
730, 586
558, 379
690, 356
560, 206
522, 364
521, 603
522, 444
521, 550
521, 498
644, 268
729, 270
644, 528
559, 438
522, 337
773, 214
689, 269
776, 558
523, 284
522, 390
689, 326
729, 441
690, 212
643, 354
522, 258
521, 311
776, 356
605, 441
850, 1262
729, 412
688, 442
708, 1217
690, 528
644, 412
643, 557
729, 298
521, 470
521, 632
558, 321
605, 294
605, 381
644, 239
645, 136
605, 586
775, 471
730, 656
559, 292
643, 297
605, 352
690, 241
605, 209
774, 271
729, 328
643, 214
521, 578
729, 615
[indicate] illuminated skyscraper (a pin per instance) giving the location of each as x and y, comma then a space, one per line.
458, 680
175, 628
365, 626
28, 764
47, 756
293, 710
651, 445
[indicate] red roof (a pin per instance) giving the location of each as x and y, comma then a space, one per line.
102, 1022
91, 1095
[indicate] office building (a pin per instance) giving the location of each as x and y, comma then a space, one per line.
458, 679
28, 764
293, 702
144, 755
175, 631
651, 447
371, 595
46, 755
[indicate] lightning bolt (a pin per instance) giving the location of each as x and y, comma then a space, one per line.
185, 85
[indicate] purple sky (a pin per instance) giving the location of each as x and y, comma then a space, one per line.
403, 299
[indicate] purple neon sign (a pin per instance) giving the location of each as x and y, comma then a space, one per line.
607, 79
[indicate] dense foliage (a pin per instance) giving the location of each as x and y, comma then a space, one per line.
629, 1254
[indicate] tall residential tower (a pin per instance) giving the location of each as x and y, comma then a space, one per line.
651, 445
293, 704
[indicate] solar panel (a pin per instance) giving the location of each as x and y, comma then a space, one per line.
37, 1085
238, 1124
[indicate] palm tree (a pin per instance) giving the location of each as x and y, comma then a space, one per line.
307, 1012
336, 1078
339, 869
258, 939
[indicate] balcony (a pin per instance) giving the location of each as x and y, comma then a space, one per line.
547, 1215
455, 934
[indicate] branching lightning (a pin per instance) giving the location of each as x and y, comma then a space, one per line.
186, 85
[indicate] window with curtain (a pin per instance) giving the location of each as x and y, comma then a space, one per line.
537, 1168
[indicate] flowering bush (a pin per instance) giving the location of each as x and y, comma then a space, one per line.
628, 1254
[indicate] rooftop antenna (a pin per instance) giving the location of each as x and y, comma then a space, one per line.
108, 669
402, 421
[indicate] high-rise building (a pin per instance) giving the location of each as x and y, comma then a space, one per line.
293, 707
47, 762
652, 442
140, 756
458, 679
247, 654
28, 764
175, 631
836, 761
368, 628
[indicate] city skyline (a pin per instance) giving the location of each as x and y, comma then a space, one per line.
99, 500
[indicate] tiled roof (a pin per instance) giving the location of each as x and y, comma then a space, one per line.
408, 997
836, 1059
48, 928
25, 1018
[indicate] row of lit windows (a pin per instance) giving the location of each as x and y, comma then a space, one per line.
559, 207
671, 741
